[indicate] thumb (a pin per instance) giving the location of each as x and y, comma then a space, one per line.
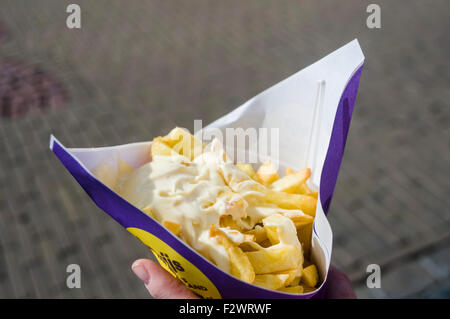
160, 283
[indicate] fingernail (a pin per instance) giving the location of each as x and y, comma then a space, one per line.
141, 272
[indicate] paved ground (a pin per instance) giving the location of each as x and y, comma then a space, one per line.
136, 70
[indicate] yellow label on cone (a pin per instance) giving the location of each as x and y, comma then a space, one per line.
177, 265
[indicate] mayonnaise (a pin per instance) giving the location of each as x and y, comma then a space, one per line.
196, 194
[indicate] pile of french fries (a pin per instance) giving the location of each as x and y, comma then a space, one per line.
274, 254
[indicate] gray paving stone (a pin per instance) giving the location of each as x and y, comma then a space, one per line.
441, 257
406, 280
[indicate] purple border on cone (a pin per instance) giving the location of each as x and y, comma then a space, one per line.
338, 139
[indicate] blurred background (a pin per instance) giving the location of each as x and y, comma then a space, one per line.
136, 69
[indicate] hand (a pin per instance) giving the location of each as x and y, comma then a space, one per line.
338, 285
162, 285
159, 282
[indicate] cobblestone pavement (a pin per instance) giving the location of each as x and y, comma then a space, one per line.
137, 69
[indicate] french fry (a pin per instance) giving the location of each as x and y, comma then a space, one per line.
123, 169
274, 259
176, 135
314, 194
291, 183
259, 233
272, 234
183, 143
298, 218
239, 262
280, 228
271, 281
106, 174
237, 237
112, 175
289, 171
189, 148
266, 243
175, 228
234, 204
161, 149
148, 211
305, 190
292, 273
281, 231
247, 169
310, 276
307, 289
228, 221
304, 234
250, 246
267, 174
292, 290
305, 203
295, 281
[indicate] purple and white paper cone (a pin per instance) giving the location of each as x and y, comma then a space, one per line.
288, 106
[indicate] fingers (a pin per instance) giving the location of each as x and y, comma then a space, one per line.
160, 283
338, 285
